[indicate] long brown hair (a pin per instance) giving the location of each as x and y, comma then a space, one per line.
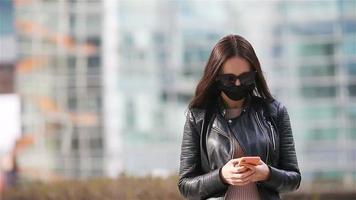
229, 46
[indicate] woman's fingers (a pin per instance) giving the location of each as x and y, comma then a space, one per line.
243, 180
242, 175
249, 166
241, 169
234, 161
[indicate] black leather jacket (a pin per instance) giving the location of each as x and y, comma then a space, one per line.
207, 146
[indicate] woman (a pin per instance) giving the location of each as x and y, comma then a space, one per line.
233, 115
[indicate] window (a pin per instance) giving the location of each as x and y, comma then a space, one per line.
318, 70
72, 103
319, 112
352, 90
316, 49
96, 144
351, 68
184, 98
96, 41
351, 112
318, 91
349, 26
347, 7
315, 28
130, 114
322, 134
71, 64
93, 23
329, 175
158, 38
75, 141
6, 18
349, 47
352, 133
94, 63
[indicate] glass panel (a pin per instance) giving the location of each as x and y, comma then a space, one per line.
316, 49
330, 175
351, 68
310, 9
347, 7
349, 26
318, 91
352, 90
322, 134
352, 133
130, 114
321, 70
6, 18
351, 112
319, 112
349, 47
318, 28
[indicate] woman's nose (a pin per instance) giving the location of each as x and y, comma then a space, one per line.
237, 82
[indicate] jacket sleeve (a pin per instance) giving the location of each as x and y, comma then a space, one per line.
193, 183
286, 176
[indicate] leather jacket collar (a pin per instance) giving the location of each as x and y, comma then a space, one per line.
222, 106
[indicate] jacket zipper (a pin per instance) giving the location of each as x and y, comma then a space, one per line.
218, 130
231, 141
273, 140
231, 156
267, 138
231, 145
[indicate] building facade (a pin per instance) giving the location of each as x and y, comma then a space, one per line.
59, 80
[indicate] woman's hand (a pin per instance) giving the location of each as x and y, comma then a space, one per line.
233, 174
261, 170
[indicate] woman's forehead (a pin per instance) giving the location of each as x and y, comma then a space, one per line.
236, 65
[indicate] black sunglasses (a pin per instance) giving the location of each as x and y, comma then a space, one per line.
245, 78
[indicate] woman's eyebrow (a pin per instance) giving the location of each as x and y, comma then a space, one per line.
235, 74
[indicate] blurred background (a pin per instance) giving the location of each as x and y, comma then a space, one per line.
96, 88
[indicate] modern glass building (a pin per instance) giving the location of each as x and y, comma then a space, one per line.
59, 80
313, 71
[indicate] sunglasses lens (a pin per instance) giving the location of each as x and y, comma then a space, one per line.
227, 79
245, 78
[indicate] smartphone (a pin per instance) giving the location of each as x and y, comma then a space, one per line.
252, 160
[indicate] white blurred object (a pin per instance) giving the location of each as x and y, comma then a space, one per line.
10, 127
161, 172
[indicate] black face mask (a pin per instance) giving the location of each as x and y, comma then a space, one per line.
226, 83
